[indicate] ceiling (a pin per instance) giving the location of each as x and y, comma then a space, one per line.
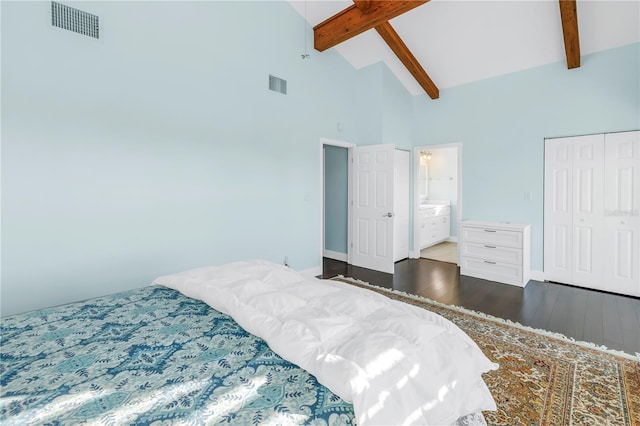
459, 42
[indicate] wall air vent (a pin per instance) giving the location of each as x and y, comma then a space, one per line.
75, 20
278, 85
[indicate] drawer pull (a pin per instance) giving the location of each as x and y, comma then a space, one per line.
489, 230
490, 263
490, 246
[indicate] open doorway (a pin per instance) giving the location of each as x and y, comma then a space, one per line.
438, 202
336, 202
335, 212
347, 233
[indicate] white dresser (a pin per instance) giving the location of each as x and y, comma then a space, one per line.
496, 251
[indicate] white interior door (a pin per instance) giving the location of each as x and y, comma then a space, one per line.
558, 209
588, 201
622, 213
401, 205
373, 196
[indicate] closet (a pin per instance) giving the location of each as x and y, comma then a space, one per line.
592, 211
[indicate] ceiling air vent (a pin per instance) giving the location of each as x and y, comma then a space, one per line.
75, 20
278, 85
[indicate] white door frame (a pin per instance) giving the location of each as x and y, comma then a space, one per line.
415, 253
349, 146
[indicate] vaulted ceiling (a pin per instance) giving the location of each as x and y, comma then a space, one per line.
457, 42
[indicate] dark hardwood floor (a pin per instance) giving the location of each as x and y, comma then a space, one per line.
588, 315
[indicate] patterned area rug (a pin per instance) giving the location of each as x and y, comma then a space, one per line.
543, 379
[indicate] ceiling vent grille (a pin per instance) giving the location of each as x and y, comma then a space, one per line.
277, 85
75, 20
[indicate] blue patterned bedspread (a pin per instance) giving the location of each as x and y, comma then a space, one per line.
151, 356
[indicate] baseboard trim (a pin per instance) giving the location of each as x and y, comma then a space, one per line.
335, 255
452, 239
414, 254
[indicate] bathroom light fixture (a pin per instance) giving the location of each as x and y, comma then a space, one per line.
428, 155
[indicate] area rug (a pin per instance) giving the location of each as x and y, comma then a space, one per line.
544, 378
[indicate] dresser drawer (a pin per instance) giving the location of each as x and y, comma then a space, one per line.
493, 237
507, 273
489, 252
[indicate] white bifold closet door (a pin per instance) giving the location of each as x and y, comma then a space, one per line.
588, 177
592, 211
622, 213
558, 210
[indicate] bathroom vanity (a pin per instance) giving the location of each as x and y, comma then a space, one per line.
435, 222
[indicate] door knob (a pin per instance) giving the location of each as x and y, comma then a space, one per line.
388, 215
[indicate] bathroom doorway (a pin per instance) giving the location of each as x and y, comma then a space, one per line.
437, 185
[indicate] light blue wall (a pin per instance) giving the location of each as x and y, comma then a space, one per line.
502, 122
369, 92
388, 116
159, 148
336, 179
397, 111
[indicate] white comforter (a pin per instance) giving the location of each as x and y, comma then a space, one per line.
397, 363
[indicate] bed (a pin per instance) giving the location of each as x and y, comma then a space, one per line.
157, 356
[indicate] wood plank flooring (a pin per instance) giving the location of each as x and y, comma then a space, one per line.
589, 315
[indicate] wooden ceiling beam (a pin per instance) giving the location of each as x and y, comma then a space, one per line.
403, 53
352, 21
569, 16
363, 5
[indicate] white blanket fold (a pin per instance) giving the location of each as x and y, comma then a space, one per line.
397, 363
